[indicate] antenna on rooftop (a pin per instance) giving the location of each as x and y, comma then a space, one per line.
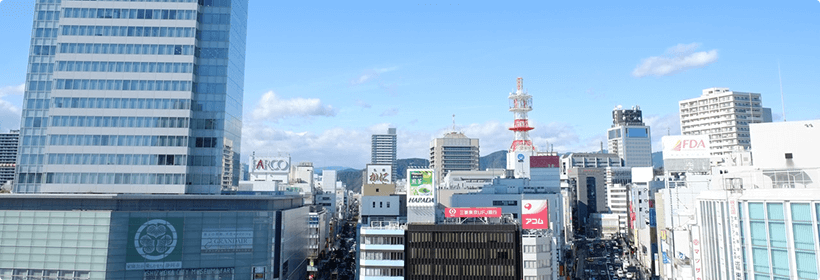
454, 122
782, 104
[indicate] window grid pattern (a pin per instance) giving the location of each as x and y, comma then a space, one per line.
121, 66
129, 13
121, 103
153, 49
118, 140
125, 85
115, 178
96, 121
127, 31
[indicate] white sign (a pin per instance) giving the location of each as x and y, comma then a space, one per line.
379, 174
734, 224
696, 253
421, 187
689, 146
227, 240
270, 164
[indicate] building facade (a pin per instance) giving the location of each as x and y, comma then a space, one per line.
133, 97
383, 149
463, 251
725, 116
8, 155
134, 236
453, 152
630, 138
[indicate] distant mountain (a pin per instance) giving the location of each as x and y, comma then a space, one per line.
403, 164
657, 159
352, 178
495, 160
318, 170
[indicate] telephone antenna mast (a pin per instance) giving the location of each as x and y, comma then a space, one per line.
454, 122
782, 103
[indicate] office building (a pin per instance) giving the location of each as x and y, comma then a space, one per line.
453, 152
383, 150
463, 251
138, 236
318, 238
8, 155
133, 97
381, 230
630, 138
724, 116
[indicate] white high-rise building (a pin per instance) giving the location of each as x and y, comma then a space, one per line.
383, 150
133, 97
629, 138
725, 116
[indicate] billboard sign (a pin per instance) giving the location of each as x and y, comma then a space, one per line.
535, 214
379, 174
473, 212
685, 146
154, 243
544, 162
421, 190
270, 164
227, 240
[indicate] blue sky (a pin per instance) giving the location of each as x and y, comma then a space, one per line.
321, 77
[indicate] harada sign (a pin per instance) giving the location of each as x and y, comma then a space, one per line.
420, 187
154, 243
690, 146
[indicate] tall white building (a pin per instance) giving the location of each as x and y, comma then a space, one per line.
133, 97
453, 152
725, 116
629, 138
383, 150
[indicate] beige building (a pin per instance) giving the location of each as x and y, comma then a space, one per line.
453, 152
725, 116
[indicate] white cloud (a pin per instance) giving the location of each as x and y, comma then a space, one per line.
9, 112
272, 108
351, 146
362, 104
676, 59
389, 112
371, 74
661, 126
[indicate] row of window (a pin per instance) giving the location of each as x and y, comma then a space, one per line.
81, 48
383, 255
44, 50
116, 159
123, 85
42, 68
98, 121
172, 1
116, 178
535, 264
118, 140
121, 66
120, 103
45, 33
48, 15
390, 240
127, 31
128, 13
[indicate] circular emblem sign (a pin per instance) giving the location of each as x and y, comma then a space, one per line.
520, 156
155, 239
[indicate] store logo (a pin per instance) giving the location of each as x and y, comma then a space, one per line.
689, 144
527, 206
155, 239
452, 211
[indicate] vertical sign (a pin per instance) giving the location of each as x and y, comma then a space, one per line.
420, 187
535, 214
696, 254
737, 254
154, 244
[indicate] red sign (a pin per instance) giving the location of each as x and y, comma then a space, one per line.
689, 144
535, 214
466, 212
544, 161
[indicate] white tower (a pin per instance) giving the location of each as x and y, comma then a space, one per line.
518, 157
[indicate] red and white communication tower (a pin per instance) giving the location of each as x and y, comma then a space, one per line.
520, 105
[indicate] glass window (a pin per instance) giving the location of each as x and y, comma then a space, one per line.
775, 211
806, 265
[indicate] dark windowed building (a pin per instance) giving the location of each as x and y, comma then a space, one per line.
463, 251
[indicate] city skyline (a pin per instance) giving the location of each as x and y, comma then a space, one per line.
346, 71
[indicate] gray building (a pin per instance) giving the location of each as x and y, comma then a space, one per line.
134, 236
133, 97
630, 138
453, 152
8, 155
383, 150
